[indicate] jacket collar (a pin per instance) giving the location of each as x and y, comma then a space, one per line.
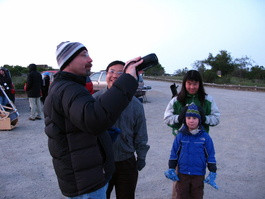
70, 77
184, 129
192, 95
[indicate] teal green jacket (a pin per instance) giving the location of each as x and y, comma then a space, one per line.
174, 107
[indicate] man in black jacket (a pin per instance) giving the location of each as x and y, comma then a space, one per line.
76, 123
33, 88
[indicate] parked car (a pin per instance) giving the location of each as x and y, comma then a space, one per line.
88, 85
99, 82
10, 95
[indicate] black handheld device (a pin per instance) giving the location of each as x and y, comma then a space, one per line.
149, 61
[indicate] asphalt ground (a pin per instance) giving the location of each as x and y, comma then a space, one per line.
26, 171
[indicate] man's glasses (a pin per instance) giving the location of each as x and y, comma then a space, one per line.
112, 72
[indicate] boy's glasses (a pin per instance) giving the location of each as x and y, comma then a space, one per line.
112, 72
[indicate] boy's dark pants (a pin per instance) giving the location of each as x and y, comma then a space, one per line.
124, 179
189, 186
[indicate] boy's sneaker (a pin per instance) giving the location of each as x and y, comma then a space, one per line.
32, 119
38, 118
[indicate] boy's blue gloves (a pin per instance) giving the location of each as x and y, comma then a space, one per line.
114, 132
171, 174
211, 180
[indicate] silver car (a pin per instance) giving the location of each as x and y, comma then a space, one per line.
99, 82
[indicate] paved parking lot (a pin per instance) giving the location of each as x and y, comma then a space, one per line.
26, 171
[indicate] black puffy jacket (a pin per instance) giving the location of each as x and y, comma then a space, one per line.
75, 126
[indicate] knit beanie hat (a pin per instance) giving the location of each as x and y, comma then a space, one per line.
67, 51
193, 111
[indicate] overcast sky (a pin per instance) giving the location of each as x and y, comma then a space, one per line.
178, 31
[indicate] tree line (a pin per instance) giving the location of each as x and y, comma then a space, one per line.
19, 70
222, 68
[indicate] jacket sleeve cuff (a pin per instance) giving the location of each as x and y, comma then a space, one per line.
212, 167
172, 164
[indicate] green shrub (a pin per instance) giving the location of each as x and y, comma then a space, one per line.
223, 80
19, 81
209, 76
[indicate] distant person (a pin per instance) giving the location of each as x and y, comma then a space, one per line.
192, 90
45, 86
130, 140
192, 151
6, 83
33, 88
76, 123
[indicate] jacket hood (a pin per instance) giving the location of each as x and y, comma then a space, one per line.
32, 67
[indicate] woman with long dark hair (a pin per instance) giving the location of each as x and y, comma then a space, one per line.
192, 90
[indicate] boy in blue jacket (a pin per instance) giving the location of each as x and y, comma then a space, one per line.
192, 151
